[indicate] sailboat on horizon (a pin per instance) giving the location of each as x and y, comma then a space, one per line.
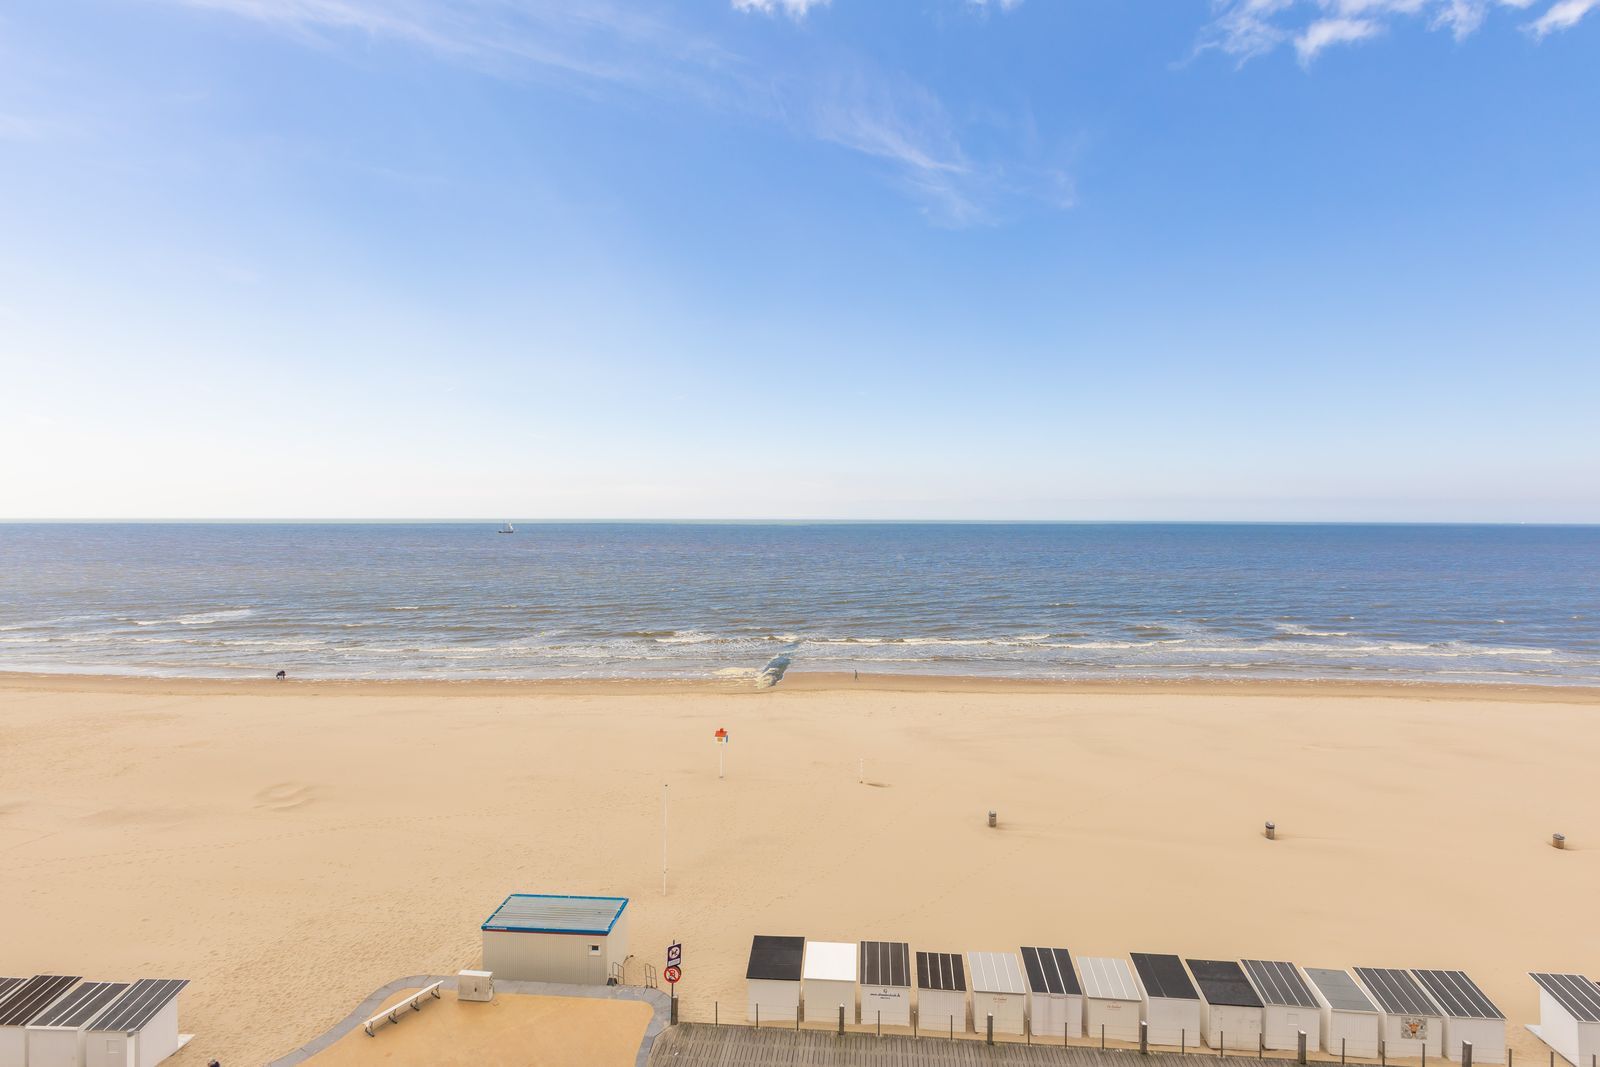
507, 528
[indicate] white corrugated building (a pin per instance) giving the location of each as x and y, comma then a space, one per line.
772, 978
139, 1029
1288, 1005
1569, 1016
1171, 1003
1111, 998
941, 991
829, 981
1351, 1022
539, 937
1055, 993
23, 1003
998, 990
58, 1038
886, 983
1230, 1015
1469, 1016
1412, 1022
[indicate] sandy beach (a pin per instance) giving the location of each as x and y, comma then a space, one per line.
291, 847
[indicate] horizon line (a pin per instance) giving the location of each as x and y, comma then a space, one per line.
714, 521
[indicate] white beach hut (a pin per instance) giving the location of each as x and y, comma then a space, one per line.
998, 990
1288, 1006
941, 991
1230, 1015
1569, 1016
829, 981
57, 1038
25, 1002
539, 937
1055, 992
1171, 1004
1351, 1022
886, 983
1112, 1001
139, 1028
772, 979
1411, 1021
1469, 1016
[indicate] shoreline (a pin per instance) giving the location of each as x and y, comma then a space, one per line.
794, 681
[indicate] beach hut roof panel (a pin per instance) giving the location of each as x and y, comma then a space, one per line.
1223, 982
941, 970
1458, 995
996, 972
1107, 979
830, 961
1050, 971
6, 986
886, 963
1396, 991
1579, 996
29, 1000
1163, 976
1340, 989
82, 1004
141, 1003
1280, 984
776, 959
540, 913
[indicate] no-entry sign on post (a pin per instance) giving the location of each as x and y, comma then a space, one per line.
672, 974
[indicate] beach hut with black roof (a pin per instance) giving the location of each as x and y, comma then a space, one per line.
1412, 1022
1469, 1016
58, 1037
1288, 1006
140, 1028
828, 981
885, 968
25, 1002
772, 979
941, 991
1171, 1002
1351, 1022
1569, 1015
1112, 1000
1054, 991
1230, 1015
998, 991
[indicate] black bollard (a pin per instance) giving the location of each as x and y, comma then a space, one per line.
1144, 1037
1302, 1046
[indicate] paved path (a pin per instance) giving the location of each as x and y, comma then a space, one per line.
657, 1000
702, 1045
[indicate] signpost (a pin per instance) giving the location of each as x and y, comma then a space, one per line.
723, 738
673, 972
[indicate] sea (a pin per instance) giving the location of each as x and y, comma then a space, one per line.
1433, 603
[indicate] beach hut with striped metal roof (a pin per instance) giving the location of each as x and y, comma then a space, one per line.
1569, 1015
25, 1002
1351, 1022
1470, 1017
1111, 998
58, 1038
140, 1028
1412, 1023
998, 991
1288, 1004
885, 969
1055, 992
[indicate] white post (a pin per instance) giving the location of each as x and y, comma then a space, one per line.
861, 771
663, 839
720, 748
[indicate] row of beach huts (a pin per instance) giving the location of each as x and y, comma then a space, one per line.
57, 1020
1245, 1005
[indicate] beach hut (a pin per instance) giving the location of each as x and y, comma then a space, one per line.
57, 1038
1112, 1001
772, 979
1288, 1006
1469, 1016
1230, 1015
886, 983
941, 991
1569, 1016
1351, 1022
829, 977
537, 937
999, 991
25, 1002
139, 1029
1412, 1023
1171, 1005
1055, 991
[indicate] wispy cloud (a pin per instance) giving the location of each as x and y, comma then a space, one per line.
1249, 28
795, 9
840, 100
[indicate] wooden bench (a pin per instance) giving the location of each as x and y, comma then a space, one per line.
392, 1013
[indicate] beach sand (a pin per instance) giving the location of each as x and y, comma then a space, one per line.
292, 847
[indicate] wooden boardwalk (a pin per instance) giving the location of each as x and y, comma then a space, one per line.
702, 1045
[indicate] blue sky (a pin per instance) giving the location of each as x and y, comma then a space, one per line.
1219, 259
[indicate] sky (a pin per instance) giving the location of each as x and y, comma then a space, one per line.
1016, 259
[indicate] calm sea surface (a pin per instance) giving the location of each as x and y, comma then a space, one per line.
1441, 603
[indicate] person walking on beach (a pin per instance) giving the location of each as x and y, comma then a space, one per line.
282, 675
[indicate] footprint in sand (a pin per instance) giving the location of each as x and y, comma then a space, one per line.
284, 796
